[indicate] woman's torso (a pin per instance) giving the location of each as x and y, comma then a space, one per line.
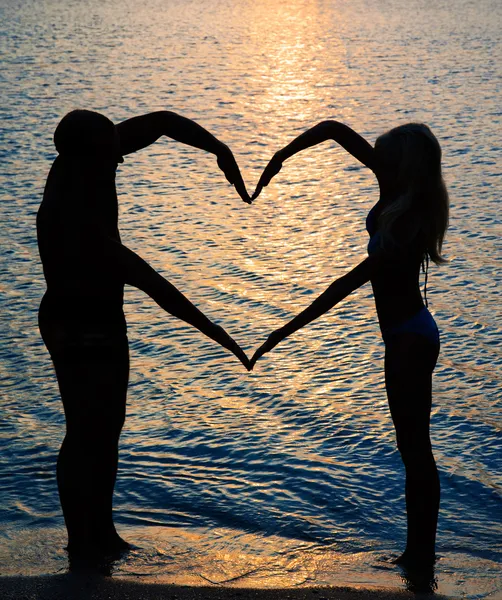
396, 286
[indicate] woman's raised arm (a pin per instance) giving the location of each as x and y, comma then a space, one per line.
140, 132
326, 130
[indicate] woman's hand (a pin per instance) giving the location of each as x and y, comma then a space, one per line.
271, 170
228, 165
273, 339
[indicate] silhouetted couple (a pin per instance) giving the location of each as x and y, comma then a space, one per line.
85, 264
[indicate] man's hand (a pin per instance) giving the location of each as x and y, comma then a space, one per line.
228, 165
225, 340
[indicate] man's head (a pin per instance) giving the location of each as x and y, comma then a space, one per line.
88, 135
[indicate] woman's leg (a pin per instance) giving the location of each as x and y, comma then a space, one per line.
409, 362
93, 384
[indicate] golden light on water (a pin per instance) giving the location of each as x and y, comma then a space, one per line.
286, 66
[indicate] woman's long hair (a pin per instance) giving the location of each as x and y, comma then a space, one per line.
412, 154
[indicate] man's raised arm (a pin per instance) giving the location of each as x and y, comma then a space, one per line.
140, 132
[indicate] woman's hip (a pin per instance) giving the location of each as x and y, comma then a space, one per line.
421, 324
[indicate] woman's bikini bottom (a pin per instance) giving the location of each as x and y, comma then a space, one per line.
421, 323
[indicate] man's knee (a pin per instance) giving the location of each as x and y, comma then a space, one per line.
416, 454
100, 430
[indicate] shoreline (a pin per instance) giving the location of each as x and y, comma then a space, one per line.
82, 586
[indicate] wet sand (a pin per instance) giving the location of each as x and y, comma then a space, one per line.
81, 587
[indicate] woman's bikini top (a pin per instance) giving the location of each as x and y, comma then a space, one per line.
403, 258
371, 228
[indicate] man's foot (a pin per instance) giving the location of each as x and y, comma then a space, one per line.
103, 546
411, 560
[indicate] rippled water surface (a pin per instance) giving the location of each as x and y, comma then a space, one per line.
288, 475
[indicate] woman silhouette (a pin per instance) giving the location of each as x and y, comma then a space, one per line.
81, 316
406, 227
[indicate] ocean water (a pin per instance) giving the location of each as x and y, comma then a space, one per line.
288, 475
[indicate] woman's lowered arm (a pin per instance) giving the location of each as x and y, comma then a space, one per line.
351, 141
334, 294
140, 132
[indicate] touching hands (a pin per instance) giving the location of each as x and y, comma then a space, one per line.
228, 164
222, 337
225, 340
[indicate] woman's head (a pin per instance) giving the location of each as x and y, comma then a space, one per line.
89, 136
410, 156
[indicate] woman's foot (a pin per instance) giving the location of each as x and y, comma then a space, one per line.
115, 547
417, 572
